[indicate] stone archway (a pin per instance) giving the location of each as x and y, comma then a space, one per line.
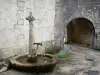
80, 30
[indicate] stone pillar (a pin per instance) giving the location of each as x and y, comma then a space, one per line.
31, 33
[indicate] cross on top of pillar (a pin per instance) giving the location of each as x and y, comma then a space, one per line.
30, 17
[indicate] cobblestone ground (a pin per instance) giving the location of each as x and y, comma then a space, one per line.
79, 63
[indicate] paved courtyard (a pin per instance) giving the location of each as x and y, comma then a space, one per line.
81, 61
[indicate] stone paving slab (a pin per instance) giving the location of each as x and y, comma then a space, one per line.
82, 60
14, 72
93, 73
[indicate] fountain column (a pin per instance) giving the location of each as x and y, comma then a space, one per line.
30, 18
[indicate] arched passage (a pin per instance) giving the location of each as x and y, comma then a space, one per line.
80, 30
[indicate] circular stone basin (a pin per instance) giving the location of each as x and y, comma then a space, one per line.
44, 63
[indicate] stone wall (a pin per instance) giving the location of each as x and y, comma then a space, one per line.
14, 28
67, 10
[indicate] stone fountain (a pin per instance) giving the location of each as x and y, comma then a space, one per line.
33, 62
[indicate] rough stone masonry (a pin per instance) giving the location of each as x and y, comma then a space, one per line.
14, 28
67, 10
52, 17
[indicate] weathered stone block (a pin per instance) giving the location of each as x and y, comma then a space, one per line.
21, 9
21, 21
20, 36
16, 26
20, 14
21, 3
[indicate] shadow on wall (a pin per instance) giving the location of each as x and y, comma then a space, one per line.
81, 31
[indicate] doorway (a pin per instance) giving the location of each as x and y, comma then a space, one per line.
81, 31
